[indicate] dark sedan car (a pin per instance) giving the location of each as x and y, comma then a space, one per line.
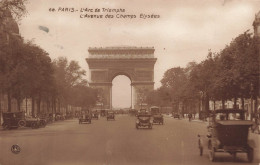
85, 118
144, 120
110, 115
228, 132
176, 115
157, 116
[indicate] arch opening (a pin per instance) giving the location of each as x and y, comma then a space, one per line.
121, 92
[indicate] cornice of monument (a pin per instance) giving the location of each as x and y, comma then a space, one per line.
121, 52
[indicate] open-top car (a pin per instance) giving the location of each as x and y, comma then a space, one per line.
110, 115
144, 120
228, 132
85, 117
156, 114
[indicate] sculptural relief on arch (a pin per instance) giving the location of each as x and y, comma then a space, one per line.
137, 63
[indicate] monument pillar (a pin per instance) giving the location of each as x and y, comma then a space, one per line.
140, 90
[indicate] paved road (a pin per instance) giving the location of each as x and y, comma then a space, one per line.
111, 142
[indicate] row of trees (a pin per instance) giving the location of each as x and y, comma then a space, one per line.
27, 71
229, 74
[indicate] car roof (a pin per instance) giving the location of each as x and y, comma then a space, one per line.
235, 122
154, 107
231, 110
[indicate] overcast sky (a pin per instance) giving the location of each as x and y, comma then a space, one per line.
185, 31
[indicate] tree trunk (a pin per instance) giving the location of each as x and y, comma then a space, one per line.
256, 103
214, 104
9, 100
223, 104
38, 106
59, 105
243, 103
207, 103
235, 102
26, 111
48, 105
18, 104
33, 109
54, 105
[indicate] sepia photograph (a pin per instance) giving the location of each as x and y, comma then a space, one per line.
119, 82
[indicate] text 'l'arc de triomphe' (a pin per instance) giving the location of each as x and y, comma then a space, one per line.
137, 63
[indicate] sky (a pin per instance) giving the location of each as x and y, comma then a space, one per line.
184, 31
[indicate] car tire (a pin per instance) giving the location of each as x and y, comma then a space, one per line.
34, 125
6, 126
42, 124
21, 123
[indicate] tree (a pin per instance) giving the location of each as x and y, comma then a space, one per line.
70, 81
16, 7
202, 77
10, 39
83, 96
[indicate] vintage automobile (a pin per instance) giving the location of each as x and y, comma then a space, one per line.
18, 119
85, 117
95, 115
144, 120
43, 120
13, 120
34, 122
176, 115
156, 114
228, 132
103, 112
141, 111
59, 116
111, 115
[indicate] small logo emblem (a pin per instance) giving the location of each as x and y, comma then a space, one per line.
15, 149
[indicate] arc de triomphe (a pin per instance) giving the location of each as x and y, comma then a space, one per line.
137, 63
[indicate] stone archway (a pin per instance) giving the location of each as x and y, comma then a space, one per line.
137, 63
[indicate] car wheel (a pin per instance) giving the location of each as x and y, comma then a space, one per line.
42, 124
250, 154
34, 125
21, 123
6, 126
